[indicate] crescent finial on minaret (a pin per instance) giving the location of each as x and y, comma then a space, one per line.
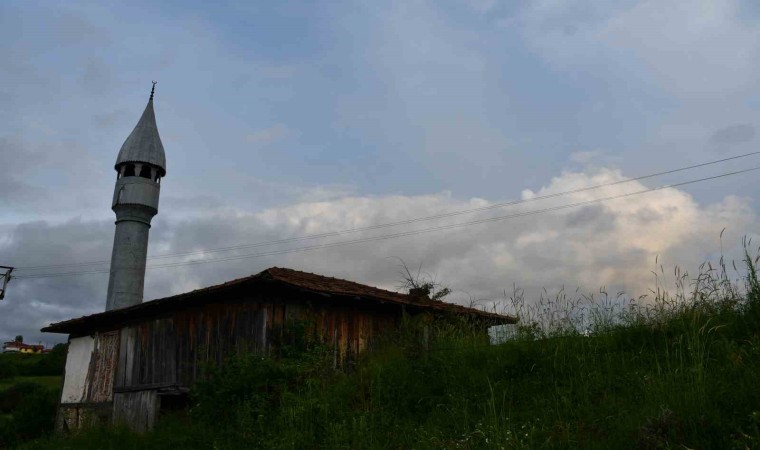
153, 89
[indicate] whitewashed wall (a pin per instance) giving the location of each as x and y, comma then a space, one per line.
77, 366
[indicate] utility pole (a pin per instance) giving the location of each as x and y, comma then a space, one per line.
6, 279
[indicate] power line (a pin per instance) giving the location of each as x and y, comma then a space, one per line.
408, 233
401, 222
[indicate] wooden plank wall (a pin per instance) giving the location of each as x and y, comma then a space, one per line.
99, 387
147, 355
138, 410
173, 350
213, 333
131, 368
348, 331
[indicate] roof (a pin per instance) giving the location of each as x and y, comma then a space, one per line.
144, 144
314, 283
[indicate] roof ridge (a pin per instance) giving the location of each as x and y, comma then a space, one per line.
338, 279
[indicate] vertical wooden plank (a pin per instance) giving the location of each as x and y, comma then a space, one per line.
100, 386
128, 367
261, 326
137, 410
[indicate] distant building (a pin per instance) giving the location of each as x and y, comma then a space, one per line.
20, 347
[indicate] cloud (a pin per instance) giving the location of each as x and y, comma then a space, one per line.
611, 244
269, 135
735, 134
31, 304
390, 102
702, 48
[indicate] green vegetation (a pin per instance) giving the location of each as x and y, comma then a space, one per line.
33, 365
52, 382
29, 386
677, 371
27, 411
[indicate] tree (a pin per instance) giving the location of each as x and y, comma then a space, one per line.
19, 338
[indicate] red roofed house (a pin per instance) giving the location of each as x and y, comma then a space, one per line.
20, 347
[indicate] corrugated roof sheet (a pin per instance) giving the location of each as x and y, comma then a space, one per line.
302, 280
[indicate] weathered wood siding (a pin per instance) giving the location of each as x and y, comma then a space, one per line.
120, 376
102, 368
172, 351
138, 410
147, 355
348, 328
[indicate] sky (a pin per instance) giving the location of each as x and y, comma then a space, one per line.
284, 119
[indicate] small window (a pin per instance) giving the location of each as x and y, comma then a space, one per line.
145, 171
130, 170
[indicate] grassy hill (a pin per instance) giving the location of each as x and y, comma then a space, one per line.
29, 386
683, 371
49, 381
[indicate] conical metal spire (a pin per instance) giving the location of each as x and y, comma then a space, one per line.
144, 144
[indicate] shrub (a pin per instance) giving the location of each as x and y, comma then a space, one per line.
8, 370
35, 415
7, 432
48, 364
27, 411
13, 397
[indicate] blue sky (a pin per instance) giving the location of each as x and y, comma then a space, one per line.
265, 108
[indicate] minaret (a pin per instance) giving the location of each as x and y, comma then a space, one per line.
140, 166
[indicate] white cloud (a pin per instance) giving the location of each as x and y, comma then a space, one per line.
611, 244
608, 244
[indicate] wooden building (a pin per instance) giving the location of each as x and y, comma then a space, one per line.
124, 364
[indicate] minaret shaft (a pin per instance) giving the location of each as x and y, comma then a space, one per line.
130, 250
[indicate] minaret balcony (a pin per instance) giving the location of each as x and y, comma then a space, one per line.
136, 191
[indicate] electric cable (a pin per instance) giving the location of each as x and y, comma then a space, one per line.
398, 223
406, 233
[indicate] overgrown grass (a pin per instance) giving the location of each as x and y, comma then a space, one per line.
33, 365
27, 411
675, 370
52, 382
